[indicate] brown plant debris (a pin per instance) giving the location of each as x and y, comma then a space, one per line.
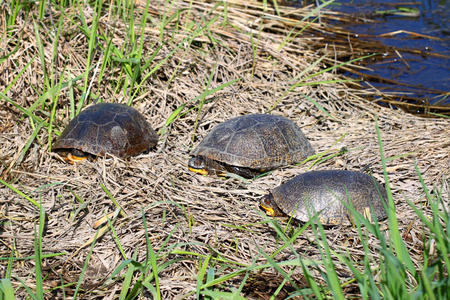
184, 211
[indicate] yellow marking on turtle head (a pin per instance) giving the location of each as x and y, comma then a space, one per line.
199, 171
73, 158
269, 209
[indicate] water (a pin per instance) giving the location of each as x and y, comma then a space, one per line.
426, 75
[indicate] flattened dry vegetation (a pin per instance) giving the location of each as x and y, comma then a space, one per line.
189, 67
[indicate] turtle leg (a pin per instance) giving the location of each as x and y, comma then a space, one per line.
241, 171
204, 166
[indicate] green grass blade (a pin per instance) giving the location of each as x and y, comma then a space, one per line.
9, 267
38, 256
16, 6
427, 287
202, 98
27, 289
297, 78
92, 45
29, 142
331, 275
13, 82
48, 255
293, 262
334, 67
153, 259
53, 113
201, 274
143, 26
42, 6
316, 11
20, 108
187, 40
146, 266
48, 95
40, 47
55, 52
277, 267
114, 234
107, 57
394, 232
86, 263
312, 283
282, 284
110, 196
127, 280
222, 295
20, 193
177, 112
6, 289
442, 239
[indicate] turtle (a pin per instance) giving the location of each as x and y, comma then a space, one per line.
324, 192
250, 145
103, 128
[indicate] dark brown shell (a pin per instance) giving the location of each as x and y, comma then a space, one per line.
108, 128
311, 192
257, 141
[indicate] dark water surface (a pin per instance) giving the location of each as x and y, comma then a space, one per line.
426, 75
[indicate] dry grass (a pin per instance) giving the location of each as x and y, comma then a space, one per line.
184, 211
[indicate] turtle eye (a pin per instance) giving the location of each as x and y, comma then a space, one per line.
200, 162
196, 162
266, 201
78, 153
266, 204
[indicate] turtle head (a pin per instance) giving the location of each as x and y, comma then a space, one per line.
197, 164
75, 156
270, 207
204, 165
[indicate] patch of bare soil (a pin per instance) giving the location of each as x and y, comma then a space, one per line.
182, 210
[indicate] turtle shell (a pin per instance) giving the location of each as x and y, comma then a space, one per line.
108, 128
326, 191
257, 141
